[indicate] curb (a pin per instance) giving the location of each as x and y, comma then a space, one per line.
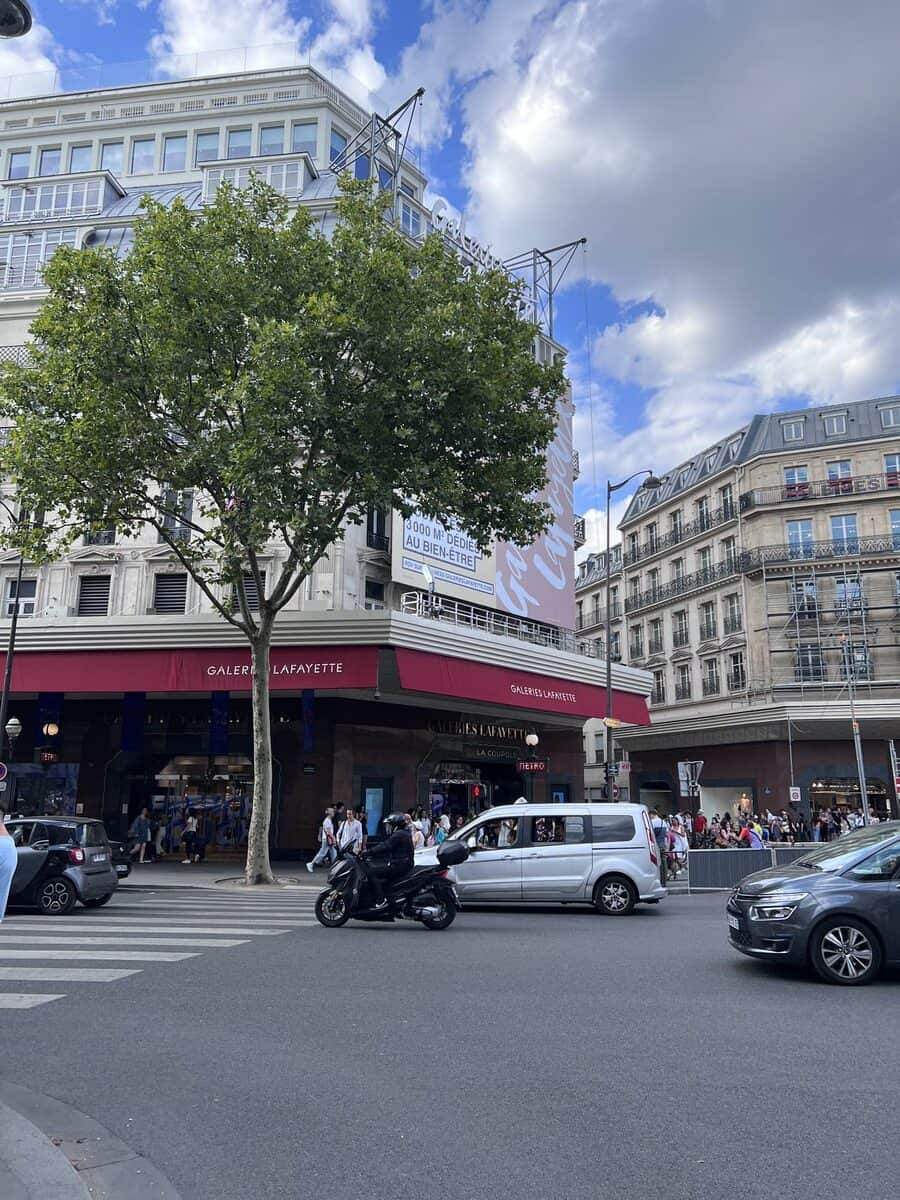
88, 1159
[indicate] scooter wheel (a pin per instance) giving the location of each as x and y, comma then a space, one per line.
444, 921
331, 909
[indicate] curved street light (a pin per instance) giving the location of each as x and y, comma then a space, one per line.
15, 18
648, 484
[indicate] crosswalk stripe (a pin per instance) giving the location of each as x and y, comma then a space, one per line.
66, 974
209, 909
27, 999
100, 955
40, 923
77, 940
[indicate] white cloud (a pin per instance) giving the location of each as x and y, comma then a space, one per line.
103, 9
206, 36
28, 65
735, 165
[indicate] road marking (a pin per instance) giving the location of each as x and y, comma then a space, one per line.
139, 927
100, 955
27, 999
66, 974
270, 914
206, 943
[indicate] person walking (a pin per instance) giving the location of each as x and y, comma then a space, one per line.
139, 834
8, 860
327, 842
158, 850
350, 834
189, 838
442, 830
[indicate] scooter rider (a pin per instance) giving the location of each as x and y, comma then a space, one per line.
391, 859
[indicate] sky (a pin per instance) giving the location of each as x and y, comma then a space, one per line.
734, 167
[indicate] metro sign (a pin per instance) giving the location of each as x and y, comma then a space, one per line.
531, 766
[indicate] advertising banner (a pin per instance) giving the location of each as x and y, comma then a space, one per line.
536, 582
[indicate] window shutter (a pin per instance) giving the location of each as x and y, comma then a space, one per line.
251, 593
169, 593
93, 596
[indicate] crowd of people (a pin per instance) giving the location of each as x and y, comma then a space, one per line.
343, 829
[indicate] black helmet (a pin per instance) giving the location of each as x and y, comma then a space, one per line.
395, 821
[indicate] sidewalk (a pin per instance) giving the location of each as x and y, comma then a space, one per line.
51, 1151
224, 874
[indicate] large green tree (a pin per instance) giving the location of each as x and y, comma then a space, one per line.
288, 379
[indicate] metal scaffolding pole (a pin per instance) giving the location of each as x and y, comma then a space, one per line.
857, 743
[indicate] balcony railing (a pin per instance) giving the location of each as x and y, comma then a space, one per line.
655, 646
658, 696
711, 686
708, 630
737, 681
377, 541
682, 691
685, 531
598, 616
733, 623
819, 489
14, 354
580, 532
849, 547
681, 637
686, 583
635, 650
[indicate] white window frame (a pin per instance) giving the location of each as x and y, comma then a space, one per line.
114, 144
89, 146
26, 604
133, 145
839, 429
890, 417
206, 133
12, 154
50, 201
34, 250
171, 137
789, 430
42, 174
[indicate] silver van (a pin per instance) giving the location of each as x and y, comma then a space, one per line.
600, 854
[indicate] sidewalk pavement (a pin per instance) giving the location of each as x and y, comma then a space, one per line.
224, 874
51, 1151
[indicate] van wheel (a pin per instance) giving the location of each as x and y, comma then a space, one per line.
615, 896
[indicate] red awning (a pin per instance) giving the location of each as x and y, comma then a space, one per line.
192, 670
422, 672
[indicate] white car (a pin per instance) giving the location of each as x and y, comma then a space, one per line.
600, 854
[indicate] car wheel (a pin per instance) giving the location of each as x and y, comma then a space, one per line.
846, 951
98, 901
615, 896
56, 896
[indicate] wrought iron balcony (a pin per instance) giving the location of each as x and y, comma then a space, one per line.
658, 696
680, 637
708, 629
733, 623
635, 650
580, 532
684, 532
683, 691
819, 489
377, 541
655, 646
686, 583
737, 681
598, 616
100, 537
711, 686
839, 548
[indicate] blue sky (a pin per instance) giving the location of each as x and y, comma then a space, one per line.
734, 168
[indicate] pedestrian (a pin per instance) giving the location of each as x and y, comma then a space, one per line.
417, 836
139, 834
158, 850
337, 817
442, 829
661, 833
8, 860
426, 824
700, 824
327, 841
350, 834
189, 837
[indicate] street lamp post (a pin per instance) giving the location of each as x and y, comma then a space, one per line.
13, 728
649, 482
531, 741
14, 621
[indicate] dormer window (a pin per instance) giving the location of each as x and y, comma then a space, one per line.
835, 424
733, 446
793, 430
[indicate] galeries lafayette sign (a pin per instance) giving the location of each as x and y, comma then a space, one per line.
192, 670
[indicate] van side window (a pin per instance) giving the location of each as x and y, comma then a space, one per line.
613, 828
557, 830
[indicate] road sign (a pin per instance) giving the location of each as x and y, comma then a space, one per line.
4, 770
615, 792
794, 794
624, 767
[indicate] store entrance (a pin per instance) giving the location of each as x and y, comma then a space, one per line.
461, 790
217, 792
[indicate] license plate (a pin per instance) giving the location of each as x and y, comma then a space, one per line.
98, 858
734, 922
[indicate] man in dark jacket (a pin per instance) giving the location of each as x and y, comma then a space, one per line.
393, 858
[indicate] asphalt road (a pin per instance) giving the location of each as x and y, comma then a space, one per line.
519, 1055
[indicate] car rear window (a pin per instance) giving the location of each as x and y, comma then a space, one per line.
61, 835
92, 834
614, 827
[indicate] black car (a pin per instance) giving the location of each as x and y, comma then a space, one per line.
837, 908
61, 860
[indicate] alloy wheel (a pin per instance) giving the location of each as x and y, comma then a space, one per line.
847, 952
615, 896
55, 897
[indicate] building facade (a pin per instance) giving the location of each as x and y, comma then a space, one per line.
760, 587
130, 688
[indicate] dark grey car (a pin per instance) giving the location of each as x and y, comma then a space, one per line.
837, 908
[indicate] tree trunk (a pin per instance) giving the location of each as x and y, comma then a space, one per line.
258, 869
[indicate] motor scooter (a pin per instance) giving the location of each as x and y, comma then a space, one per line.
425, 894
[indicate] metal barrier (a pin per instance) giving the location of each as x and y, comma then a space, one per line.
720, 870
